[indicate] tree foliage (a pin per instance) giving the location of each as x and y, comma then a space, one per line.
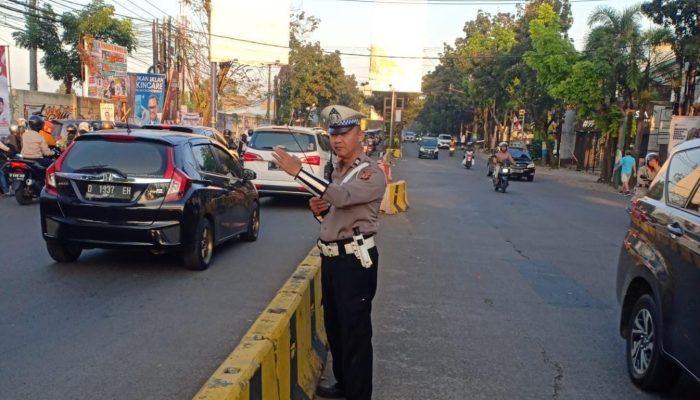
60, 37
313, 79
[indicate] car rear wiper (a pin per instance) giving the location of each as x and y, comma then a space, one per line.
100, 168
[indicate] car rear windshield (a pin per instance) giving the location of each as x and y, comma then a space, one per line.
140, 158
292, 142
519, 153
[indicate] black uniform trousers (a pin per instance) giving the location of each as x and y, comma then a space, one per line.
348, 290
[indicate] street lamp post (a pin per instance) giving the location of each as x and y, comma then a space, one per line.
393, 113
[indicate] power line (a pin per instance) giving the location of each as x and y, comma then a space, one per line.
452, 3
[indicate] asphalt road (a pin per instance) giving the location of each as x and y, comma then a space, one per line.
120, 325
484, 295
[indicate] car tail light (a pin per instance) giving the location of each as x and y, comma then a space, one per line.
311, 160
119, 138
179, 185
248, 156
50, 184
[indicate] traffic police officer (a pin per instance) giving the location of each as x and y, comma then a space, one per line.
347, 204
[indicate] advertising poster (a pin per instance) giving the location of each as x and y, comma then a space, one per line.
148, 95
107, 112
190, 119
106, 70
5, 113
682, 129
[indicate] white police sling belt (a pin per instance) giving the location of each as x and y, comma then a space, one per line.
318, 187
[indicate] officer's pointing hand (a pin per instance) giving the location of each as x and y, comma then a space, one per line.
318, 205
289, 164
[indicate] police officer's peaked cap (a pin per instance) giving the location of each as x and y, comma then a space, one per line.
341, 119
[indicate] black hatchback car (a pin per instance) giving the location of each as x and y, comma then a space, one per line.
658, 278
147, 189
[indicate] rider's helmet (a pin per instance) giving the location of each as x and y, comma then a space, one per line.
502, 145
14, 129
652, 156
71, 129
84, 127
36, 122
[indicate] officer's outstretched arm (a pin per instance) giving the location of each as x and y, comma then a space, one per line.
367, 186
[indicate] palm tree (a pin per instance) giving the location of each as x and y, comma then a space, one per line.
616, 38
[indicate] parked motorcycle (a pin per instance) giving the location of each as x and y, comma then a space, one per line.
468, 161
26, 178
500, 178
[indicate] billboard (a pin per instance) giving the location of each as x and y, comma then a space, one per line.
106, 71
148, 96
396, 53
243, 20
682, 129
5, 112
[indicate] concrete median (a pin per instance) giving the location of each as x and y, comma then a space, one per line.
395, 198
281, 356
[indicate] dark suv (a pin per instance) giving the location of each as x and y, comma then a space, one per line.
658, 277
147, 189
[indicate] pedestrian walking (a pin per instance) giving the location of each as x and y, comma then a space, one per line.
628, 169
347, 205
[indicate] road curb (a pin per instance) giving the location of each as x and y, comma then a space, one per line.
282, 355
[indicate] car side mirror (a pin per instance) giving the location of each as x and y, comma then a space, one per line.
249, 175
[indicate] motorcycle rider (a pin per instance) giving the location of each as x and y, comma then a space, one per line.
647, 173
14, 141
503, 155
83, 128
34, 147
71, 134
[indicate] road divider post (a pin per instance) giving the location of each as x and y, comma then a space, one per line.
281, 357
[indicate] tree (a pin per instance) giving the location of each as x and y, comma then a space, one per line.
61, 37
683, 17
314, 78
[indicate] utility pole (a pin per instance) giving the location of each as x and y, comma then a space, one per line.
269, 93
393, 113
33, 78
154, 40
276, 88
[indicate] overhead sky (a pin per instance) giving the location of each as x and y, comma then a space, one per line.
345, 26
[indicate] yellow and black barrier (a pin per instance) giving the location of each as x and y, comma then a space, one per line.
395, 198
281, 356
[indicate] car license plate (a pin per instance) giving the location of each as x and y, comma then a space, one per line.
16, 177
271, 166
100, 191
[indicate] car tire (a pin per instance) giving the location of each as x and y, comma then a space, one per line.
530, 178
62, 252
643, 347
199, 257
251, 234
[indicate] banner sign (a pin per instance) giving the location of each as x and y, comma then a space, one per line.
190, 119
107, 112
683, 128
149, 93
107, 77
5, 112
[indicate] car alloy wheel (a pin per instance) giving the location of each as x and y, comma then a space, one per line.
206, 245
642, 341
251, 234
648, 367
199, 257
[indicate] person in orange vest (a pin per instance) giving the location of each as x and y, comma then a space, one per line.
47, 133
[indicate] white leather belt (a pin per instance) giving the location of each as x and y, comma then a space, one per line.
333, 249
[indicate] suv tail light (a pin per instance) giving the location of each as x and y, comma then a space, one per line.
311, 160
248, 156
